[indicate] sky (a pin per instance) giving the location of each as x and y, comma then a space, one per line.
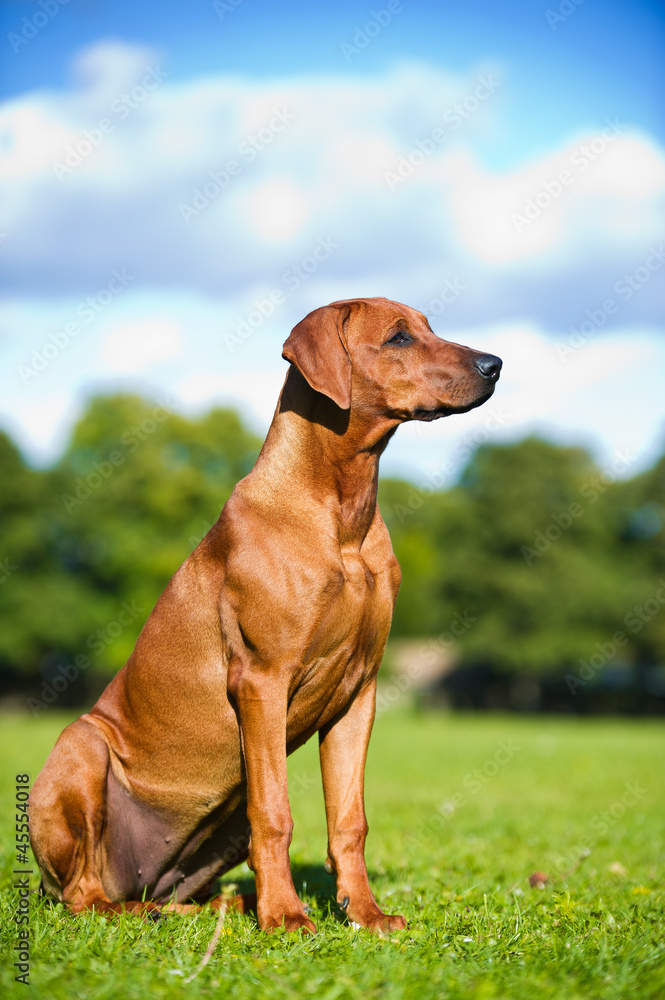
181, 183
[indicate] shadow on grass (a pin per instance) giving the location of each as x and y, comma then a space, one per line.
311, 882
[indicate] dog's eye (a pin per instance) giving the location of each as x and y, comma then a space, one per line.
400, 337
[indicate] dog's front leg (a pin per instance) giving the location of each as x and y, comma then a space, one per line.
261, 701
343, 750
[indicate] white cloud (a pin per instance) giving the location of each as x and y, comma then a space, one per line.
136, 347
106, 68
275, 209
40, 426
255, 395
607, 395
321, 175
322, 172
544, 212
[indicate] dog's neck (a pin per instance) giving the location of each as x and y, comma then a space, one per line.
331, 456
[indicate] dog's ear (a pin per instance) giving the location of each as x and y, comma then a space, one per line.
316, 347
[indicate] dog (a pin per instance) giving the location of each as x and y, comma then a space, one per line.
272, 630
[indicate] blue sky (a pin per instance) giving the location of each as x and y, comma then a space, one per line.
605, 54
577, 92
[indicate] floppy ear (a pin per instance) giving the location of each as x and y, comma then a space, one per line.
315, 346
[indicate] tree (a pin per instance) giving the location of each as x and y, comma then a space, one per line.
541, 556
638, 508
136, 490
526, 545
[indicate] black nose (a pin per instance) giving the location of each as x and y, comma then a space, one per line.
489, 366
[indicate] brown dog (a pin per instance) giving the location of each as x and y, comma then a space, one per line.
271, 631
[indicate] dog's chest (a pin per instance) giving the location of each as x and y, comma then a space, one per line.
346, 645
360, 611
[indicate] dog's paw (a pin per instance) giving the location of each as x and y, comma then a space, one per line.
362, 911
385, 923
381, 923
290, 922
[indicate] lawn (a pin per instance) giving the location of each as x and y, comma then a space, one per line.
462, 810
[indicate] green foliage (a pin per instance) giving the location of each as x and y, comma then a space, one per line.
547, 555
136, 490
458, 874
536, 545
639, 513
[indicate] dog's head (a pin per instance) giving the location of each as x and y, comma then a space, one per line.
385, 358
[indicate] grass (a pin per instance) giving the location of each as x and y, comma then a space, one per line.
462, 810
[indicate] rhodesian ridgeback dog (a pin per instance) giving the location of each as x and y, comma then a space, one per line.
271, 631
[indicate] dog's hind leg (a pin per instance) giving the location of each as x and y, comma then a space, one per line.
67, 817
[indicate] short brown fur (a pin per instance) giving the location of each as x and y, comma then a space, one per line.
272, 630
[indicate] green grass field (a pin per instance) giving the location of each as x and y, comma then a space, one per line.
462, 810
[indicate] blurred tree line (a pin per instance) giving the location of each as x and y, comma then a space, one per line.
546, 559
